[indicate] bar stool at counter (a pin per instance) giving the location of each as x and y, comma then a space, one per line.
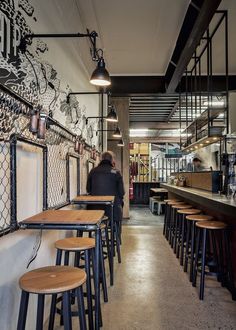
168, 215
52, 280
182, 231
173, 220
190, 238
207, 230
77, 245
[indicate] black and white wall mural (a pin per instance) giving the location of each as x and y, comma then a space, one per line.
31, 75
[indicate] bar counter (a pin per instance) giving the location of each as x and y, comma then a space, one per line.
219, 206
204, 198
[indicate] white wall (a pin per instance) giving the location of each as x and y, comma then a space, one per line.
66, 56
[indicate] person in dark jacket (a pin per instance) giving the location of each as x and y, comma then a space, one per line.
106, 180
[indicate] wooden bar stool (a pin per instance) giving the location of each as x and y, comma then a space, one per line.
102, 257
174, 220
221, 251
168, 216
182, 231
77, 245
167, 211
52, 280
190, 237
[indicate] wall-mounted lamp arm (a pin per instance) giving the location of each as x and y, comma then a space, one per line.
27, 39
87, 119
83, 93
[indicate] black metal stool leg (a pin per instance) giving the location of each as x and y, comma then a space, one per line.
23, 310
40, 310
165, 216
230, 279
67, 311
88, 289
52, 312
103, 274
93, 267
108, 248
82, 320
174, 224
182, 241
117, 243
187, 246
202, 281
66, 263
192, 251
179, 236
195, 268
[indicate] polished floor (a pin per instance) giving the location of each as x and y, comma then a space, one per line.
152, 292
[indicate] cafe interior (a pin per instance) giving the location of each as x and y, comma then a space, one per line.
154, 83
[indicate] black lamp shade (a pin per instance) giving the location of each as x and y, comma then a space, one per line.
117, 133
112, 116
120, 143
100, 76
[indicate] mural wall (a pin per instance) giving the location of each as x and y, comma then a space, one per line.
44, 75
33, 76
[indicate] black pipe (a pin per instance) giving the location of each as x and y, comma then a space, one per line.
52, 121
13, 194
28, 141
57, 35
45, 178
78, 176
16, 96
102, 112
68, 178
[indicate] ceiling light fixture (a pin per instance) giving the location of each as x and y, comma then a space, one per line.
112, 116
117, 133
100, 76
120, 143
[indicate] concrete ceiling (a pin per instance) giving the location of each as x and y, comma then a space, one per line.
138, 36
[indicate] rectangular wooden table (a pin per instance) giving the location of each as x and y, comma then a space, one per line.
73, 220
101, 200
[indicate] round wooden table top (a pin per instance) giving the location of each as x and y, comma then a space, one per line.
211, 225
75, 243
181, 206
199, 217
189, 211
175, 202
171, 200
52, 279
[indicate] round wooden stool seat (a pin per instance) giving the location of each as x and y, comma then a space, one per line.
211, 225
199, 217
189, 211
52, 279
181, 206
171, 200
174, 202
75, 243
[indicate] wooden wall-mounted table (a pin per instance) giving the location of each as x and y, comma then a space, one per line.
73, 220
101, 200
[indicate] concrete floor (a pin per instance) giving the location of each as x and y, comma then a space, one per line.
152, 292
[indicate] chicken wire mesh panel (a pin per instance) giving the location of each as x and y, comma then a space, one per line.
5, 194
59, 144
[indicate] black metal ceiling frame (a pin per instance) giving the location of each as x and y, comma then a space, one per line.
195, 73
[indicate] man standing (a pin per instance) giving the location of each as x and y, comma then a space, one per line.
106, 180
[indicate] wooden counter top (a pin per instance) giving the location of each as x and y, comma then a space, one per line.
76, 217
212, 201
93, 199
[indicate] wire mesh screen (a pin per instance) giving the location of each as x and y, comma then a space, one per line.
5, 196
14, 124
